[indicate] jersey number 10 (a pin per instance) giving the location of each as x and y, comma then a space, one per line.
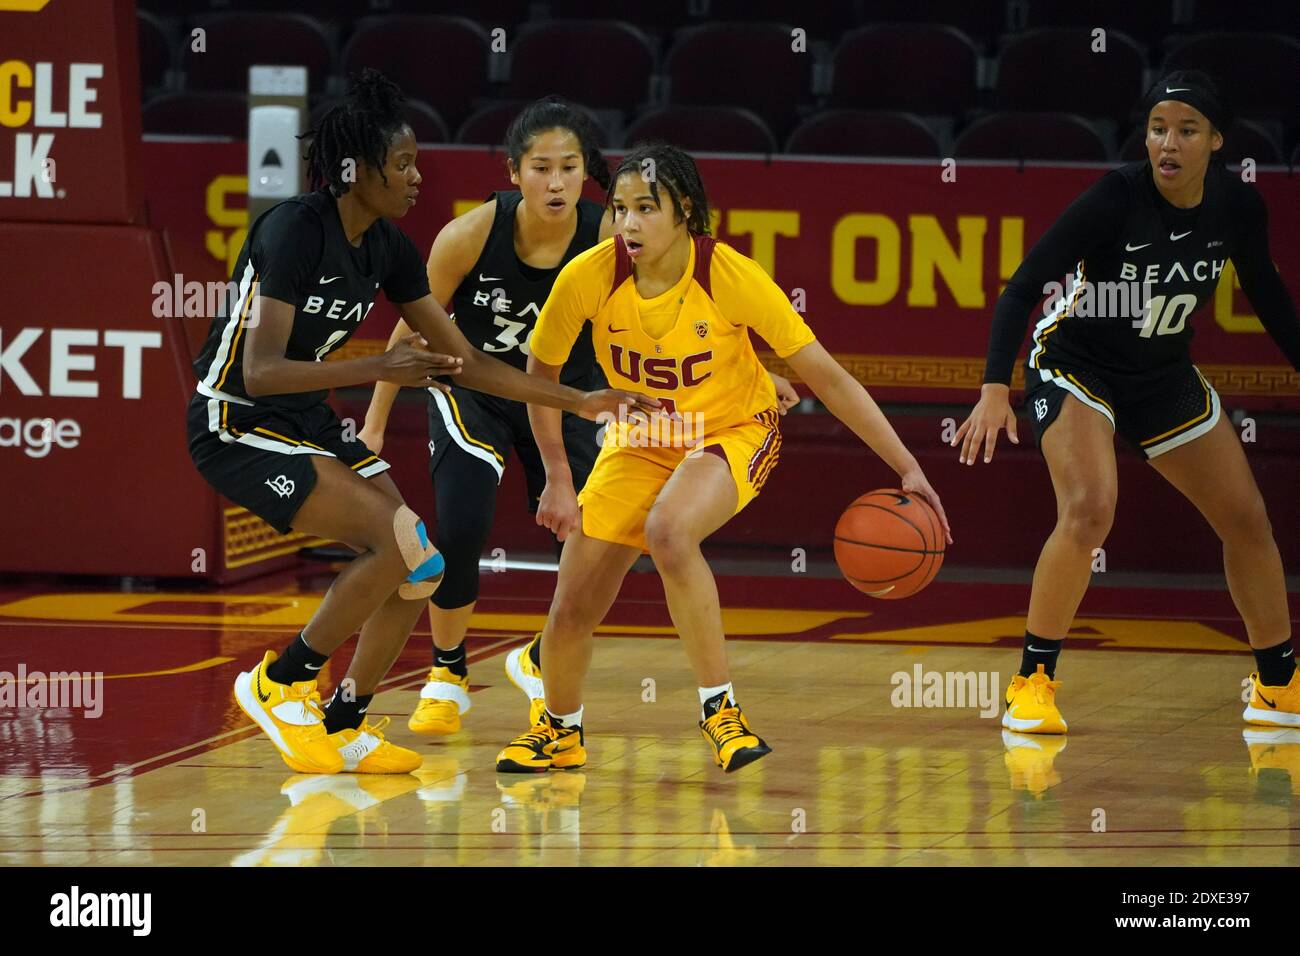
1166, 318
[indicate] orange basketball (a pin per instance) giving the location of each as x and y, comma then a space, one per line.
889, 544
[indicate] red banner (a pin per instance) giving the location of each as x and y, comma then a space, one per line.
69, 111
896, 269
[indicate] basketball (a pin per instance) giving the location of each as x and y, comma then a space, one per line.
889, 544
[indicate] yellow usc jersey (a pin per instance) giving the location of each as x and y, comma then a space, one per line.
688, 347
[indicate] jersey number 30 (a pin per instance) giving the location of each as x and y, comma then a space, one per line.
509, 336
1166, 318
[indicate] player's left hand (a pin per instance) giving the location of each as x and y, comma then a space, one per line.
609, 401
914, 482
786, 396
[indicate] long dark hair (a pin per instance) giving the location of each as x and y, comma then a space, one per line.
554, 112
361, 126
676, 172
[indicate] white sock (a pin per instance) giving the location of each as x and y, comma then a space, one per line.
707, 692
567, 720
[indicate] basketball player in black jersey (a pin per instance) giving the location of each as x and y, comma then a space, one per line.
1155, 235
494, 266
261, 433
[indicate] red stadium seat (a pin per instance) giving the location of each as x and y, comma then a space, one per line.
1056, 137
1144, 22
920, 68
441, 60
1258, 71
748, 65
155, 52
1055, 69
981, 20
603, 64
236, 41
718, 129
488, 126
864, 133
658, 19
197, 114
821, 21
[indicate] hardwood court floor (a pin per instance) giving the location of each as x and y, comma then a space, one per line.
1157, 769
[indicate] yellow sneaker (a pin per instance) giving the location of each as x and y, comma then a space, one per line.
1031, 705
547, 745
443, 699
1274, 706
1030, 761
364, 750
291, 716
728, 735
527, 676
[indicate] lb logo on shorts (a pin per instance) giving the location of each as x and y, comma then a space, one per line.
1040, 408
281, 485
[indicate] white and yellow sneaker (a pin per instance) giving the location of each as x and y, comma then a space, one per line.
365, 750
1274, 706
1031, 705
443, 700
527, 676
291, 715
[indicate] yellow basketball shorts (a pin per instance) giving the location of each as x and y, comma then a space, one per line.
626, 480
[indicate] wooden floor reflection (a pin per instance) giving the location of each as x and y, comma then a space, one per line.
1158, 770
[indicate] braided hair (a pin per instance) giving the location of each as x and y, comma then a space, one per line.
553, 112
660, 164
359, 128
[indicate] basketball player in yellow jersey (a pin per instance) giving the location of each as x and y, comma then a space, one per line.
671, 311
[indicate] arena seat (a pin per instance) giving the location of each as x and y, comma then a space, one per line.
864, 133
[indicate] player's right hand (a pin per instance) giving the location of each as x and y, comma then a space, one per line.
409, 362
611, 401
992, 412
557, 509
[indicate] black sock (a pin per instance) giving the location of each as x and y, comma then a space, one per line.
1276, 664
453, 660
1039, 650
535, 652
298, 662
341, 714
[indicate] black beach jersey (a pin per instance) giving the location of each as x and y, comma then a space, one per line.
1141, 270
297, 252
497, 303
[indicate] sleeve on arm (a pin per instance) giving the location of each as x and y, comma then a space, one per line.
575, 297
748, 296
407, 278
1096, 216
288, 247
1260, 280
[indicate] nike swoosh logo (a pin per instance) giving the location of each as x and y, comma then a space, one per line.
1128, 248
1180, 89
325, 281
363, 710
1265, 699
1039, 650
1180, 235
316, 668
483, 278
614, 331
1289, 653
257, 676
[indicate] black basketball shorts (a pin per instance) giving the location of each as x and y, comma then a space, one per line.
260, 457
1154, 412
467, 426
